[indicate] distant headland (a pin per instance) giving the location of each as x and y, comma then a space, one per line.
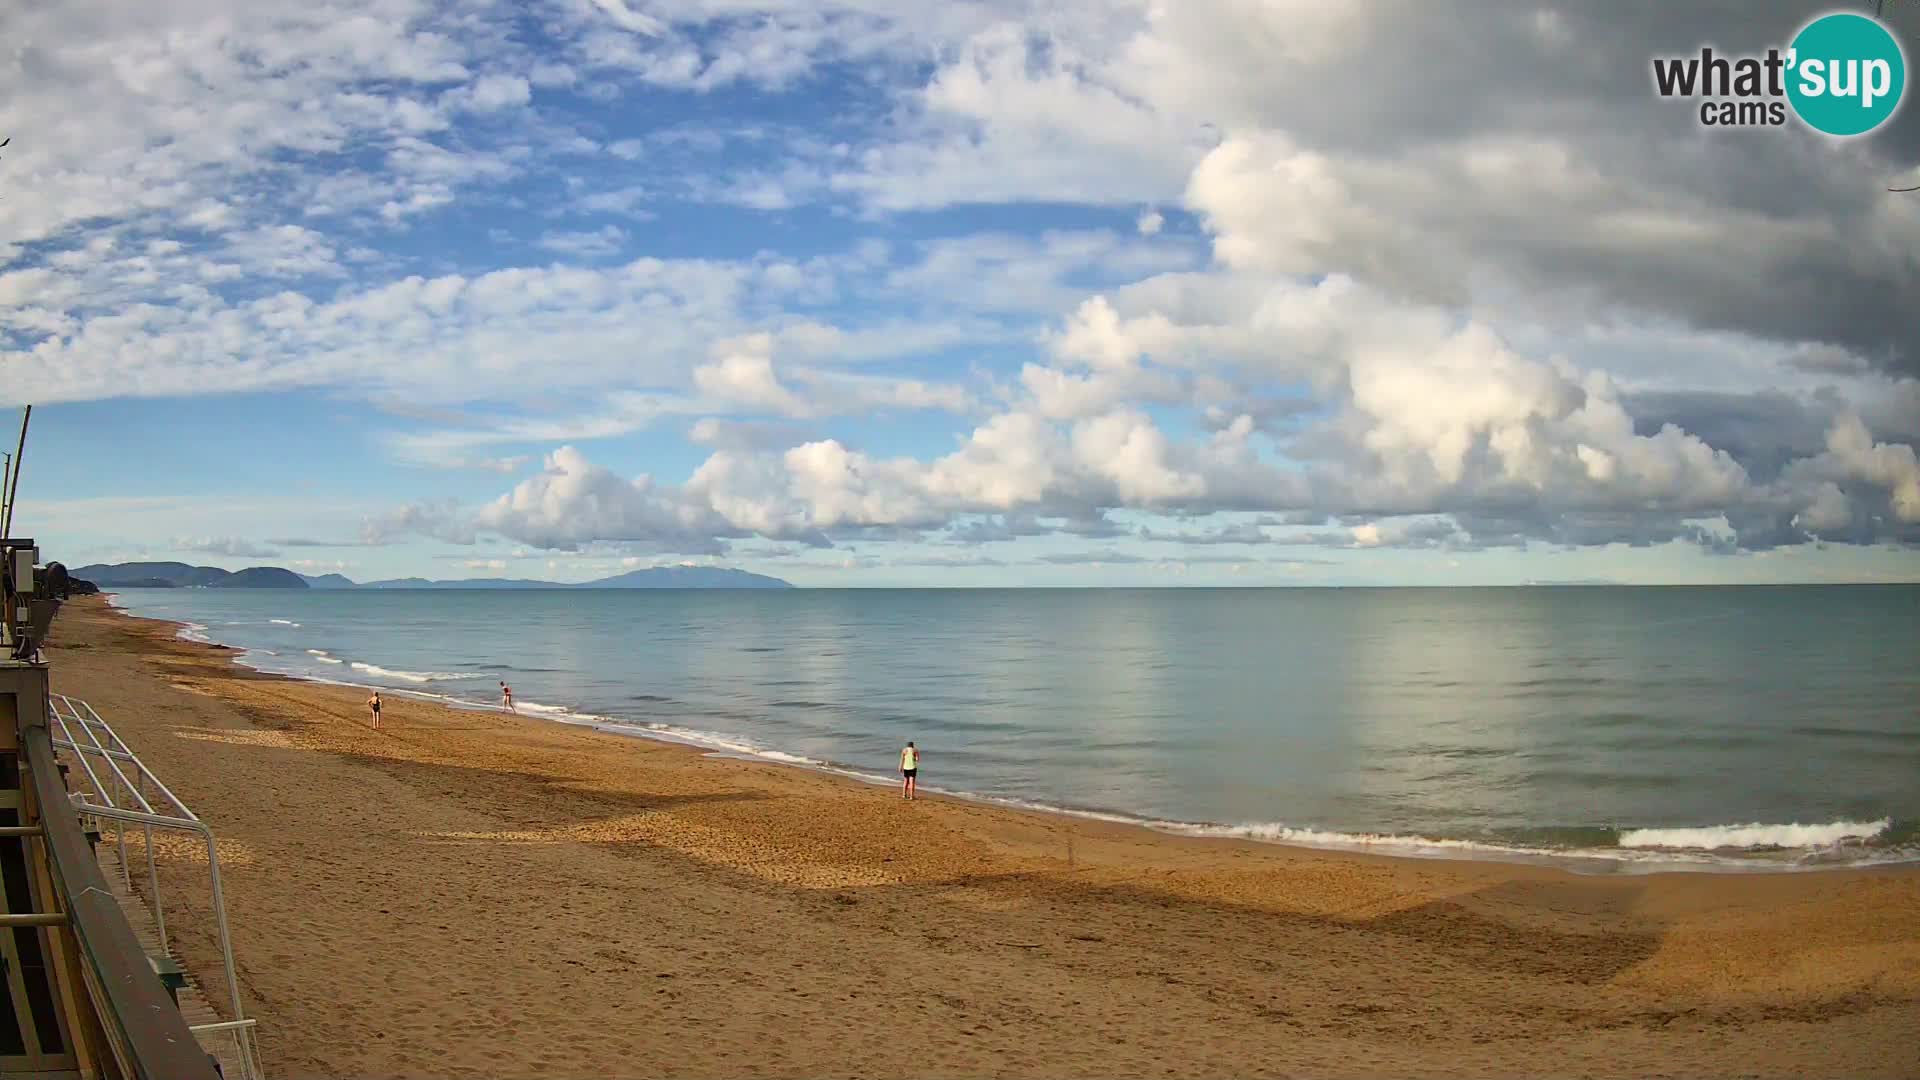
176, 575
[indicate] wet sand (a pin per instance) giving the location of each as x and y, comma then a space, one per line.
467, 893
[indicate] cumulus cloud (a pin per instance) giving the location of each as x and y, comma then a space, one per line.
1314, 140
574, 502
1442, 436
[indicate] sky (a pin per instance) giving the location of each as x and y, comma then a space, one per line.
955, 293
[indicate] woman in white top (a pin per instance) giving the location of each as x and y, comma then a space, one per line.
909, 768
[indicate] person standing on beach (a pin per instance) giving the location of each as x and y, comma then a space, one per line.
373, 705
909, 770
506, 697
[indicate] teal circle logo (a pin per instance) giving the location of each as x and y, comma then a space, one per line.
1846, 74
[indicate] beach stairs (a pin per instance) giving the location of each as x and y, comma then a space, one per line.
194, 1006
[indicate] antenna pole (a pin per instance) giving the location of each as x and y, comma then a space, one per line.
19, 462
6, 476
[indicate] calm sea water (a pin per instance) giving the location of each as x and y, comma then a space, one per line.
1649, 726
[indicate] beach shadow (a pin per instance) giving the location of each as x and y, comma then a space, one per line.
1522, 929
532, 800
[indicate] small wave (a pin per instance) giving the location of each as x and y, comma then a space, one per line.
410, 676
1864, 734
730, 744
1753, 837
284, 622
1387, 843
193, 631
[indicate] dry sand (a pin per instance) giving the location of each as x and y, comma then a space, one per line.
474, 894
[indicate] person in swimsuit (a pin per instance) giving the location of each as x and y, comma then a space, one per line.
909, 769
506, 697
373, 705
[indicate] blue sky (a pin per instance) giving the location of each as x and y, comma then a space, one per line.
978, 293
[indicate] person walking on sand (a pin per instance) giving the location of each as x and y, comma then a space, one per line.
506, 698
373, 706
909, 770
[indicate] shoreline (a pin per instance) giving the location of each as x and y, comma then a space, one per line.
1586, 861
474, 894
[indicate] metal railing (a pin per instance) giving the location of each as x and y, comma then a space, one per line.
241, 1031
138, 1022
126, 792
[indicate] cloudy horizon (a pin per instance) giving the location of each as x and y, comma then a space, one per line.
858, 292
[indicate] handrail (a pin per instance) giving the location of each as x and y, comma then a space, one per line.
129, 993
66, 712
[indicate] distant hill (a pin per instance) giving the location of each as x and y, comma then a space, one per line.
653, 577
174, 575
470, 583
687, 577
150, 574
261, 577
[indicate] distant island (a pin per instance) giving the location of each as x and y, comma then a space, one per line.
175, 575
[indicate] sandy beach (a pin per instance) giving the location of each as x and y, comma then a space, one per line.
468, 893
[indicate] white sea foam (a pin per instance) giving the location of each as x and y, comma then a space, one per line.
284, 622
1754, 836
411, 676
1635, 859
544, 710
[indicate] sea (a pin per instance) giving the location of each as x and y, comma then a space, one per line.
1606, 729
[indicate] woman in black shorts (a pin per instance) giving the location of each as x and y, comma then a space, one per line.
909, 768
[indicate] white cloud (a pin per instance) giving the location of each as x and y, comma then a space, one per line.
282, 251
179, 101
491, 93
742, 376
628, 19
442, 520
601, 243
574, 502
624, 201
231, 546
